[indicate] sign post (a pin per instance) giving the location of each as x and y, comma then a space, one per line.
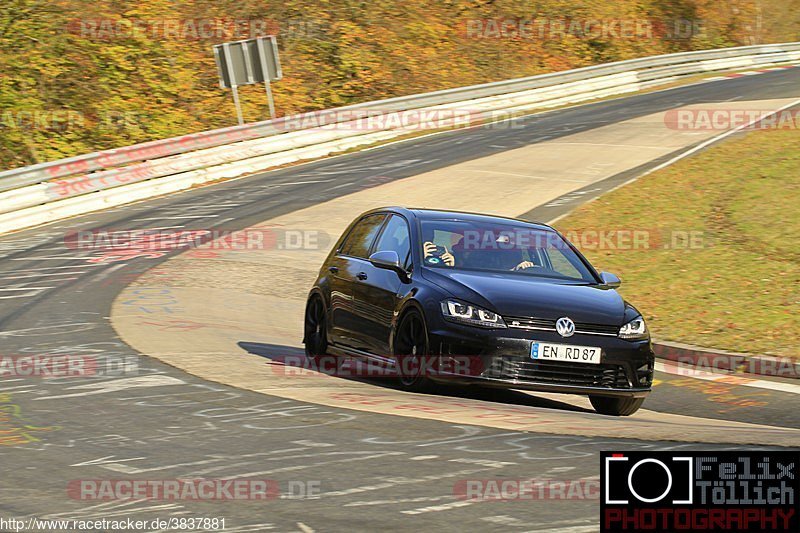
246, 63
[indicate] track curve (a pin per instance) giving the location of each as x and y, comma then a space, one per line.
155, 421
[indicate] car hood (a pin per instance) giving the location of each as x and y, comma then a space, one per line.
519, 295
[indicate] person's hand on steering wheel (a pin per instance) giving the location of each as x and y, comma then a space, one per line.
430, 250
524, 265
448, 258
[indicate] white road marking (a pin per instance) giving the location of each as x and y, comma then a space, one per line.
573, 529
717, 138
609, 144
37, 269
209, 206
154, 229
198, 216
108, 271
118, 385
442, 507
43, 275
27, 289
28, 292
548, 178
14, 388
312, 444
567, 526
301, 182
399, 501
48, 258
37, 331
505, 520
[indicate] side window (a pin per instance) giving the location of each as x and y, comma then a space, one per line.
361, 236
396, 237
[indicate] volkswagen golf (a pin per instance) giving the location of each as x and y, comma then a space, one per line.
451, 297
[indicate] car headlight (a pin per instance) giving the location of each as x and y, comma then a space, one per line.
636, 329
469, 314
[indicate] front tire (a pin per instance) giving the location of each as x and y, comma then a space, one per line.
315, 333
616, 406
410, 351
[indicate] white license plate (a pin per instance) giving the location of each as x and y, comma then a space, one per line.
544, 351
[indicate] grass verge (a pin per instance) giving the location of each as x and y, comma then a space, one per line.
706, 247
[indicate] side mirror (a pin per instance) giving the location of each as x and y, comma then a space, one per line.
389, 260
610, 280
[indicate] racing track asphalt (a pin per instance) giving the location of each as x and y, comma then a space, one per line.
375, 471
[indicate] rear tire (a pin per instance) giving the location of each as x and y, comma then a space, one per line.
411, 345
315, 335
616, 406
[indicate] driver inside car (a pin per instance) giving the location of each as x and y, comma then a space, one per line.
492, 258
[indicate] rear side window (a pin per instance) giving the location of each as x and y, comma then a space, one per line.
395, 238
360, 239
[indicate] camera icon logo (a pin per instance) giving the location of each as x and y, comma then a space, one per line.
648, 480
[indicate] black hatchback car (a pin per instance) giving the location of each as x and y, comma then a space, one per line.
445, 297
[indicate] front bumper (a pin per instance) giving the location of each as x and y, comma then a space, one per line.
501, 358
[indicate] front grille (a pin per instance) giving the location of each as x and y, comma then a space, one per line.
526, 322
523, 322
596, 329
559, 373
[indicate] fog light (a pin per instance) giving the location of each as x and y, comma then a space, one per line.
645, 374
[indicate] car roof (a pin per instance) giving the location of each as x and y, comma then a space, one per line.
445, 214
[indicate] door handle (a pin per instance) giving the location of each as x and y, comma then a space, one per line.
333, 270
361, 275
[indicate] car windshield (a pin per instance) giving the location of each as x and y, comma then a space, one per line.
501, 247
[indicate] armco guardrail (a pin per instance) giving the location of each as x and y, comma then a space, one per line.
48, 191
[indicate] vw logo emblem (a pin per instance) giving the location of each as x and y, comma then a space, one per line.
565, 327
